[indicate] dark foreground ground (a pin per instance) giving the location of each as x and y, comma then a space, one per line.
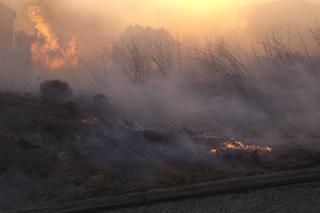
59, 147
293, 198
292, 191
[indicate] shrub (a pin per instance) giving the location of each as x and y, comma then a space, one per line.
141, 51
219, 56
55, 91
100, 99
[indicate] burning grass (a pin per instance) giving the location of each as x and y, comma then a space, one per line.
79, 148
233, 146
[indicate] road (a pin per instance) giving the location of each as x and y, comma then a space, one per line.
300, 198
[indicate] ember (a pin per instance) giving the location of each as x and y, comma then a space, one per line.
214, 151
240, 146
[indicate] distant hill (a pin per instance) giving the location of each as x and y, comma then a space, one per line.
294, 13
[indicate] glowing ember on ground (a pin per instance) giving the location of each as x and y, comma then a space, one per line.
214, 151
221, 146
240, 146
47, 51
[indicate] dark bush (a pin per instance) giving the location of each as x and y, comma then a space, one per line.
100, 99
55, 91
71, 109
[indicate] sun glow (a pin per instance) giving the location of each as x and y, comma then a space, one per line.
201, 5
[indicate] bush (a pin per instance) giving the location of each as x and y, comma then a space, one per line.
55, 91
141, 51
100, 99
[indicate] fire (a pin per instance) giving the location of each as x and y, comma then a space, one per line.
240, 146
47, 51
219, 145
214, 151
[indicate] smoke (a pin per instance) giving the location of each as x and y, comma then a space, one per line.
181, 84
160, 91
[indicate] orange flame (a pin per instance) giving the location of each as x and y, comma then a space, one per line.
214, 151
230, 145
46, 51
240, 146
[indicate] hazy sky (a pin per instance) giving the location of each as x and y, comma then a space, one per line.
184, 14
112, 16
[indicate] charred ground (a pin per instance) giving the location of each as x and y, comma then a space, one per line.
60, 146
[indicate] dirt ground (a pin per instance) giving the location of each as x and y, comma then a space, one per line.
299, 198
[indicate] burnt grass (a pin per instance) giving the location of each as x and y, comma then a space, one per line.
57, 147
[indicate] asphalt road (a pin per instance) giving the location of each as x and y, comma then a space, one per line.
301, 198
